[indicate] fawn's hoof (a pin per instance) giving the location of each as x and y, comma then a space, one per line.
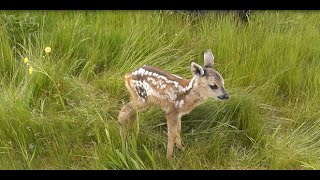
169, 157
182, 148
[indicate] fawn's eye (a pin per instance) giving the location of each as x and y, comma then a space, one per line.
213, 87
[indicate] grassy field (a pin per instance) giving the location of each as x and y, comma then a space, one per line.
64, 114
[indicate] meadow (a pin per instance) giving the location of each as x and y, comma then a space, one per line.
59, 108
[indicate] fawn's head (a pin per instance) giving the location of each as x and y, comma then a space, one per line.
209, 82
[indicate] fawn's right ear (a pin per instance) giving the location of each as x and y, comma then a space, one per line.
196, 69
208, 59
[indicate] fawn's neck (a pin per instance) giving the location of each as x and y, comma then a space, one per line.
193, 97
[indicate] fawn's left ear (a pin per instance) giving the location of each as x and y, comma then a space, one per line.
208, 59
196, 69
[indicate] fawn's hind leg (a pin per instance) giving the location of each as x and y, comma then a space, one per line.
127, 115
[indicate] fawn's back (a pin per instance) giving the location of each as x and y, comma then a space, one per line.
154, 86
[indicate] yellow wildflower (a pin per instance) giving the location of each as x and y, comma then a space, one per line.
30, 70
25, 60
47, 49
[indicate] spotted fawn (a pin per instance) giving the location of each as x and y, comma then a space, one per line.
175, 95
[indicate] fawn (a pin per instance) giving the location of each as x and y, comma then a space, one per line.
176, 96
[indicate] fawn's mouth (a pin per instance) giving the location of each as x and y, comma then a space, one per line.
224, 97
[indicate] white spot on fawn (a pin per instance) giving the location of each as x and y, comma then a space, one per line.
179, 104
177, 76
172, 94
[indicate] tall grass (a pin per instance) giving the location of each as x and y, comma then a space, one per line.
64, 115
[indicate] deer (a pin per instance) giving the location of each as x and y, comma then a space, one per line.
176, 96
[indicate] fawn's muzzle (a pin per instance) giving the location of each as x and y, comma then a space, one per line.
224, 97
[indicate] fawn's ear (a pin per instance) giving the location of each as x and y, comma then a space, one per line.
196, 69
208, 59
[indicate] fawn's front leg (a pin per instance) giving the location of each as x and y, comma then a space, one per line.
178, 138
172, 121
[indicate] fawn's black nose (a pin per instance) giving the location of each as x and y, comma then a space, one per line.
224, 97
